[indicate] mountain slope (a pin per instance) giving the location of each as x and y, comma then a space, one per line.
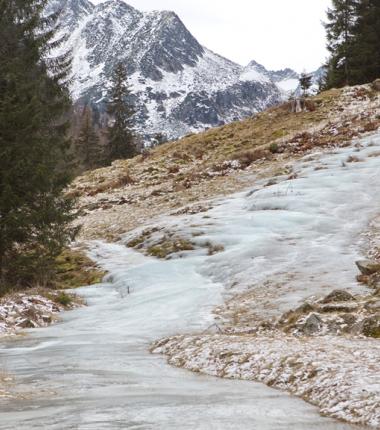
279, 247
179, 86
215, 162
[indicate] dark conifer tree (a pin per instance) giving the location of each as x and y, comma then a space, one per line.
366, 43
35, 216
341, 20
87, 144
305, 83
121, 139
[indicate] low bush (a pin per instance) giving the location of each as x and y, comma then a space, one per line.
246, 158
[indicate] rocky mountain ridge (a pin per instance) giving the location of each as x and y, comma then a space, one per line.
178, 86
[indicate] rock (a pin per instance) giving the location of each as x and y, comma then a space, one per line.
368, 267
47, 319
363, 279
270, 183
338, 296
373, 305
348, 319
341, 307
26, 324
92, 206
306, 308
371, 326
312, 325
374, 281
376, 85
290, 318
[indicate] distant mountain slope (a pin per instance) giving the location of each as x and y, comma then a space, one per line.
178, 85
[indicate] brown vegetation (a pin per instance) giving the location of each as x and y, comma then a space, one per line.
201, 166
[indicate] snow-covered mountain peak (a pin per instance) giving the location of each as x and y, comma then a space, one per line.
255, 72
254, 65
178, 85
116, 7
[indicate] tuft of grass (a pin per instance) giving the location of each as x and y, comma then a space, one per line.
273, 148
168, 246
371, 327
63, 299
74, 269
215, 249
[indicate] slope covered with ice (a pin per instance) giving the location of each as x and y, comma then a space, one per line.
292, 241
94, 371
283, 242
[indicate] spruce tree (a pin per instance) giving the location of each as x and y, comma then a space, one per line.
339, 28
366, 43
87, 144
305, 83
35, 216
121, 137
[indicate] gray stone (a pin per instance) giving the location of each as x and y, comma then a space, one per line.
368, 267
312, 325
338, 296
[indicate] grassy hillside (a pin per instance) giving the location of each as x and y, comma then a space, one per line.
220, 161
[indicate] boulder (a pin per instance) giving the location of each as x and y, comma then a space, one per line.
371, 326
338, 296
312, 325
368, 267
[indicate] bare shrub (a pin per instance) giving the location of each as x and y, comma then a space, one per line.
145, 154
123, 180
173, 169
370, 126
246, 158
310, 106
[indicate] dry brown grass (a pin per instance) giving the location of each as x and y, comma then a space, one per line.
249, 140
246, 158
198, 166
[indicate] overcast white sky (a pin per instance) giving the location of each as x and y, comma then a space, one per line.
275, 33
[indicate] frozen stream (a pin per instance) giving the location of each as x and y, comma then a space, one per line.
93, 370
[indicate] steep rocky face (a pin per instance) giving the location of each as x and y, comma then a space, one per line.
178, 85
72, 11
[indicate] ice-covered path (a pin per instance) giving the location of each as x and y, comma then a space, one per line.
93, 370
